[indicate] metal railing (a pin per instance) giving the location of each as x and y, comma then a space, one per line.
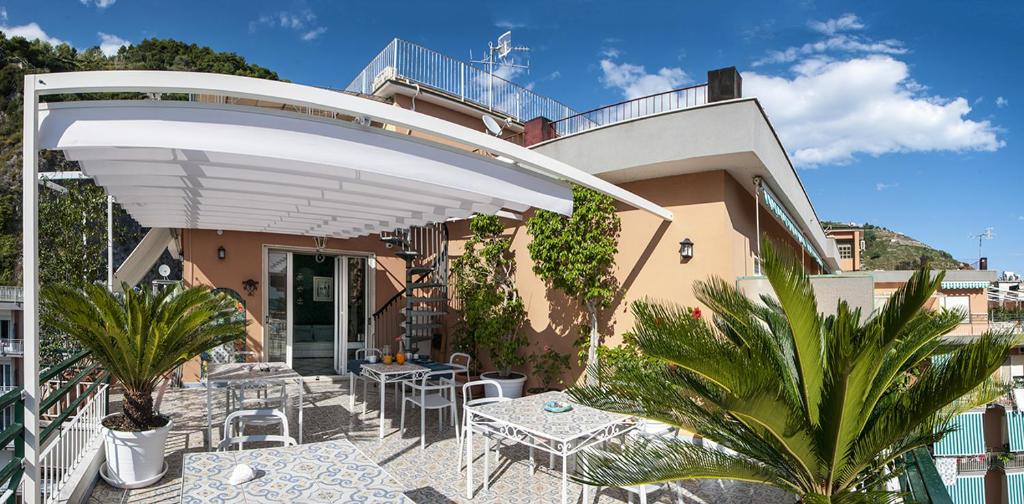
401, 59
972, 464
1014, 461
12, 438
632, 109
12, 346
9, 294
79, 436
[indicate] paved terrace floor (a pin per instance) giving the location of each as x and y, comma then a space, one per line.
429, 475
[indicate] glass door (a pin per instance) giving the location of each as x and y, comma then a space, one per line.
277, 323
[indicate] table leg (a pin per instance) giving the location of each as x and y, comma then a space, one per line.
487, 463
352, 392
301, 386
383, 391
565, 478
209, 416
469, 456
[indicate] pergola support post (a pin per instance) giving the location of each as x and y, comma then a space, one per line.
30, 280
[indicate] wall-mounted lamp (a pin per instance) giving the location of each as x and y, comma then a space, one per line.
221, 253
685, 250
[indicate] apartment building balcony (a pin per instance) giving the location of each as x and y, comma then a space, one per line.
11, 347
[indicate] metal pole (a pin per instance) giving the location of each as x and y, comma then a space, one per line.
30, 276
757, 221
110, 242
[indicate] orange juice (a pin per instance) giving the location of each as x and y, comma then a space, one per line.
387, 359
400, 358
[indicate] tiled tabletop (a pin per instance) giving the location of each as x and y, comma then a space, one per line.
386, 369
331, 471
251, 371
528, 413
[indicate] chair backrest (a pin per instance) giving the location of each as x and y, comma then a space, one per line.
256, 438
248, 391
467, 393
361, 353
255, 413
426, 378
222, 354
457, 356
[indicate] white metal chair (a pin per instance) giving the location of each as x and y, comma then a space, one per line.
645, 432
427, 393
255, 405
459, 363
467, 400
261, 438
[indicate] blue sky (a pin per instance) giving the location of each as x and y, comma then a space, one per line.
902, 114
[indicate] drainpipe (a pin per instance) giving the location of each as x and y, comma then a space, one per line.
414, 96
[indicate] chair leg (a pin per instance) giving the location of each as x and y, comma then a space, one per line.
365, 399
401, 424
440, 418
643, 496
423, 427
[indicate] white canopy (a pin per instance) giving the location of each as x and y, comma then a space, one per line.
192, 164
145, 255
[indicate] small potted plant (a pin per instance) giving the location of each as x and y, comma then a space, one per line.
1018, 392
139, 337
549, 366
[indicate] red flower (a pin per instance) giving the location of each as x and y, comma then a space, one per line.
695, 313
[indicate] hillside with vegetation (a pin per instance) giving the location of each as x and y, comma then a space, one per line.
886, 249
73, 225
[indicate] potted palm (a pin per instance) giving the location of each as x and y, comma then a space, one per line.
139, 337
492, 310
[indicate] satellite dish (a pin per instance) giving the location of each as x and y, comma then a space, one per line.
164, 270
492, 126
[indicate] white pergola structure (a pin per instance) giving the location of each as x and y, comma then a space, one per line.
256, 155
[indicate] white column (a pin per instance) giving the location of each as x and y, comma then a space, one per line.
110, 242
30, 263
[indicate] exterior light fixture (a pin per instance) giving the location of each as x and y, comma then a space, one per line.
685, 250
221, 253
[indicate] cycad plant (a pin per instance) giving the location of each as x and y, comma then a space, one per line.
139, 336
815, 405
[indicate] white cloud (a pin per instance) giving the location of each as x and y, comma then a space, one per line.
508, 24
3, 14
31, 31
109, 44
1001, 102
100, 4
610, 52
846, 22
831, 110
634, 81
302, 22
881, 186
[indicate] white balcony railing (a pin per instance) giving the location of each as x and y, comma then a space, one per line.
405, 60
79, 437
10, 294
10, 346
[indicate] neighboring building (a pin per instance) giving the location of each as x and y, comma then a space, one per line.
11, 347
850, 246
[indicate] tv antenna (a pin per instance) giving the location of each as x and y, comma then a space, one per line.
500, 54
988, 234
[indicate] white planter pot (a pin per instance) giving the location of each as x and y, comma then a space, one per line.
1018, 398
511, 387
135, 459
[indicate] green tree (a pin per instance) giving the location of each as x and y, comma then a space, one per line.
141, 336
492, 311
576, 255
816, 406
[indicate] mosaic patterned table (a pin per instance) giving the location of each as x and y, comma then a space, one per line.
524, 421
384, 374
327, 472
220, 375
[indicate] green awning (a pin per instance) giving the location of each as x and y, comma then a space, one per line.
967, 439
964, 285
968, 490
1015, 487
1015, 426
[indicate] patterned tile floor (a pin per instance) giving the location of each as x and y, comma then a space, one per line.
429, 475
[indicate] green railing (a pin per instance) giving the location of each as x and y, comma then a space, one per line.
13, 435
79, 367
921, 481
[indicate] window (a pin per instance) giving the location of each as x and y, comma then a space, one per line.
845, 250
961, 303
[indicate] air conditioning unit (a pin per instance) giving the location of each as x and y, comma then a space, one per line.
387, 73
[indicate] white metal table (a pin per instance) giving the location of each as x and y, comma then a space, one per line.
524, 420
327, 472
221, 375
384, 374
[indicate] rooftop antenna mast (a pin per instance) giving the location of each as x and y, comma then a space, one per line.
988, 234
498, 55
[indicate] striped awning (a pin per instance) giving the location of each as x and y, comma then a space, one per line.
1015, 487
968, 490
1015, 426
967, 439
964, 285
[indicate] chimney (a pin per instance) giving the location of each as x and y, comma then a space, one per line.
983, 263
724, 84
537, 130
